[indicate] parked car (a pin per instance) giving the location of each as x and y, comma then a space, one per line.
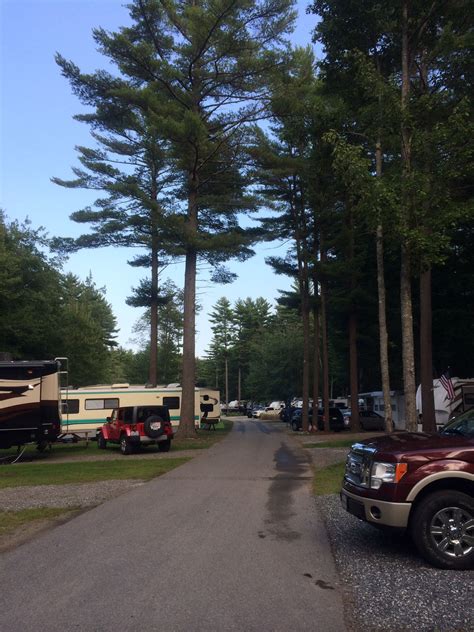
257, 411
296, 420
420, 482
336, 420
370, 420
135, 426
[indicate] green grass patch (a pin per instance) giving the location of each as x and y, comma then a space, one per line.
204, 438
328, 480
12, 520
337, 443
22, 474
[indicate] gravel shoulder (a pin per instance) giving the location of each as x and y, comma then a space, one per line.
389, 587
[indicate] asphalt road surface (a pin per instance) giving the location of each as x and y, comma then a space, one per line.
230, 541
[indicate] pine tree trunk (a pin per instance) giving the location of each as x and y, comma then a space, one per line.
353, 364
426, 353
382, 305
316, 360
239, 384
324, 332
426, 319
153, 362
226, 380
153, 366
187, 426
405, 272
407, 343
306, 348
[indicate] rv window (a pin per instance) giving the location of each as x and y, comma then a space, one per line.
171, 402
111, 403
70, 406
100, 404
469, 399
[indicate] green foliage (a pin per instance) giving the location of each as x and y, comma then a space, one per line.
46, 314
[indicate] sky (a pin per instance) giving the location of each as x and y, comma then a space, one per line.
37, 140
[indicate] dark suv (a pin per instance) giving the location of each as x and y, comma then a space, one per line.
136, 426
336, 419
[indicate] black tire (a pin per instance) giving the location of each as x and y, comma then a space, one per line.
164, 446
101, 442
294, 426
125, 446
442, 528
153, 426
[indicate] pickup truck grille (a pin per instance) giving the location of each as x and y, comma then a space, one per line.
358, 465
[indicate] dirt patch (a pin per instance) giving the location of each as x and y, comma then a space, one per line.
30, 530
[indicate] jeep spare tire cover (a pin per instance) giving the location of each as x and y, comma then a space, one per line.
153, 426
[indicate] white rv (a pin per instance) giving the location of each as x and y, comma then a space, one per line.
85, 409
444, 407
374, 401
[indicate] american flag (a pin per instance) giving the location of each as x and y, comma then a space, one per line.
447, 384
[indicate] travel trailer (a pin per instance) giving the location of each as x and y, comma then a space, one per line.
445, 408
29, 402
374, 401
85, 409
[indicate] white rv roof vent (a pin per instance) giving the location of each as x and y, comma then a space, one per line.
121, 385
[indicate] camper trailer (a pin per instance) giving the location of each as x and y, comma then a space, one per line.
29, 403
375, 401
85, 409
445, 408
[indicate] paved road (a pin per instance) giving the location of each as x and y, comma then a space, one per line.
229, 541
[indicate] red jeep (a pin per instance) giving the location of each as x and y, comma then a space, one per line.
136, 426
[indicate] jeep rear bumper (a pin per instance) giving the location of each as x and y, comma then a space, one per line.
143, 439
376, 511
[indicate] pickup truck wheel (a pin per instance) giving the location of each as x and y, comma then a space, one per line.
164, 446
442, 528
101, 442
125, 447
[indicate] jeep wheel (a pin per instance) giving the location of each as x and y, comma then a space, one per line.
153, 426
164, 446
442, 528
101, 442
294, 426
125, 446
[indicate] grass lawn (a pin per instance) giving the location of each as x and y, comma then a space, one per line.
21, 474
337, 443
328, 480
11, 520
204, 439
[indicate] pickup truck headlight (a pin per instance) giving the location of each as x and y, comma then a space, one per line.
386, 473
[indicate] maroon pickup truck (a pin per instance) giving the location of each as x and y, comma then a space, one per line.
420, 482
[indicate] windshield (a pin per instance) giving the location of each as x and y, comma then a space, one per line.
462, 425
